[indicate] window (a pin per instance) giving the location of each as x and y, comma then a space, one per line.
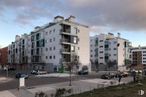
50, 40
74, 39
115, 48
54, 39
50, 32
37, 36
46, 49
50, 48
91, 50
101, 46
100, 40
115, 54
78, 48
76, 29
46, 33
78, 40
54, 57
46, 57
101, 52
37, 51
90, 55
16, 50
54, 30
54, 48
50, 57
46, 41
101, 57
23, 41
73, 48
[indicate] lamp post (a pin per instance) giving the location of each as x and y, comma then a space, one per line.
7, 67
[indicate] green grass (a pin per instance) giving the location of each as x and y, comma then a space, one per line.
127, 90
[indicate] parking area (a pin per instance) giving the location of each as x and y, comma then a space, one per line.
43, 79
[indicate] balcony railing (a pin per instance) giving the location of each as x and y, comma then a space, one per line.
67, 32
65, 41
65, 51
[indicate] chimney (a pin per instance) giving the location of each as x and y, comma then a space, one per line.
58, 19
71, 18
119, 35
17, 37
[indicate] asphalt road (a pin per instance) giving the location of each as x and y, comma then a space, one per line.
34, 81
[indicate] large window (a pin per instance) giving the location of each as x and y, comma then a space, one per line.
37, 36
74, 39
73, 48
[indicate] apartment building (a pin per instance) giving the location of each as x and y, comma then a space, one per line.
19, 52
108, 52
51, 46
3, 56
138, 57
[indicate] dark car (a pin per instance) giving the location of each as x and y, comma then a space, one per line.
35, 72
83, 71
106, 76
11, 69
21, 75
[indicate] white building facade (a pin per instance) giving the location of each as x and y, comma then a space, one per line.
53, 45
108, 52
138, 57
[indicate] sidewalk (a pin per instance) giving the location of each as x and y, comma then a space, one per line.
5, 79
56, 75
76, 88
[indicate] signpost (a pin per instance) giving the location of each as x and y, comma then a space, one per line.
21, 82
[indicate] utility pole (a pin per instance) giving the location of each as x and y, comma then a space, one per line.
7, 70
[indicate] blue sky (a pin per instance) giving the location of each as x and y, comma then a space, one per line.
127, 17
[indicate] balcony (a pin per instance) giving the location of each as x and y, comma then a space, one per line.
68, 33
69, 40
65, 51
66, 30
65, 41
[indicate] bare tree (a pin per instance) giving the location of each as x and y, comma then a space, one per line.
74, 63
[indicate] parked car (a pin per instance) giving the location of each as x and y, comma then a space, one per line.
83, 71
125, 74
42, 72
38, 72
106, 76
11, 69
35, 72
21, 75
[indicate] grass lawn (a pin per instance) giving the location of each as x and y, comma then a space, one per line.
128, 90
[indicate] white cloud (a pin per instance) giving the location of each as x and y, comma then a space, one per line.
104, 14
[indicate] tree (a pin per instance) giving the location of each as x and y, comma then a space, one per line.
74, 62
41, 94
111, 64
127, 62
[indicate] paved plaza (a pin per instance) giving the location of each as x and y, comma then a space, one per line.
77, 87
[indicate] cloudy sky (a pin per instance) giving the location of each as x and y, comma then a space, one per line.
125, 16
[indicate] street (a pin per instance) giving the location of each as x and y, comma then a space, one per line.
35, 81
